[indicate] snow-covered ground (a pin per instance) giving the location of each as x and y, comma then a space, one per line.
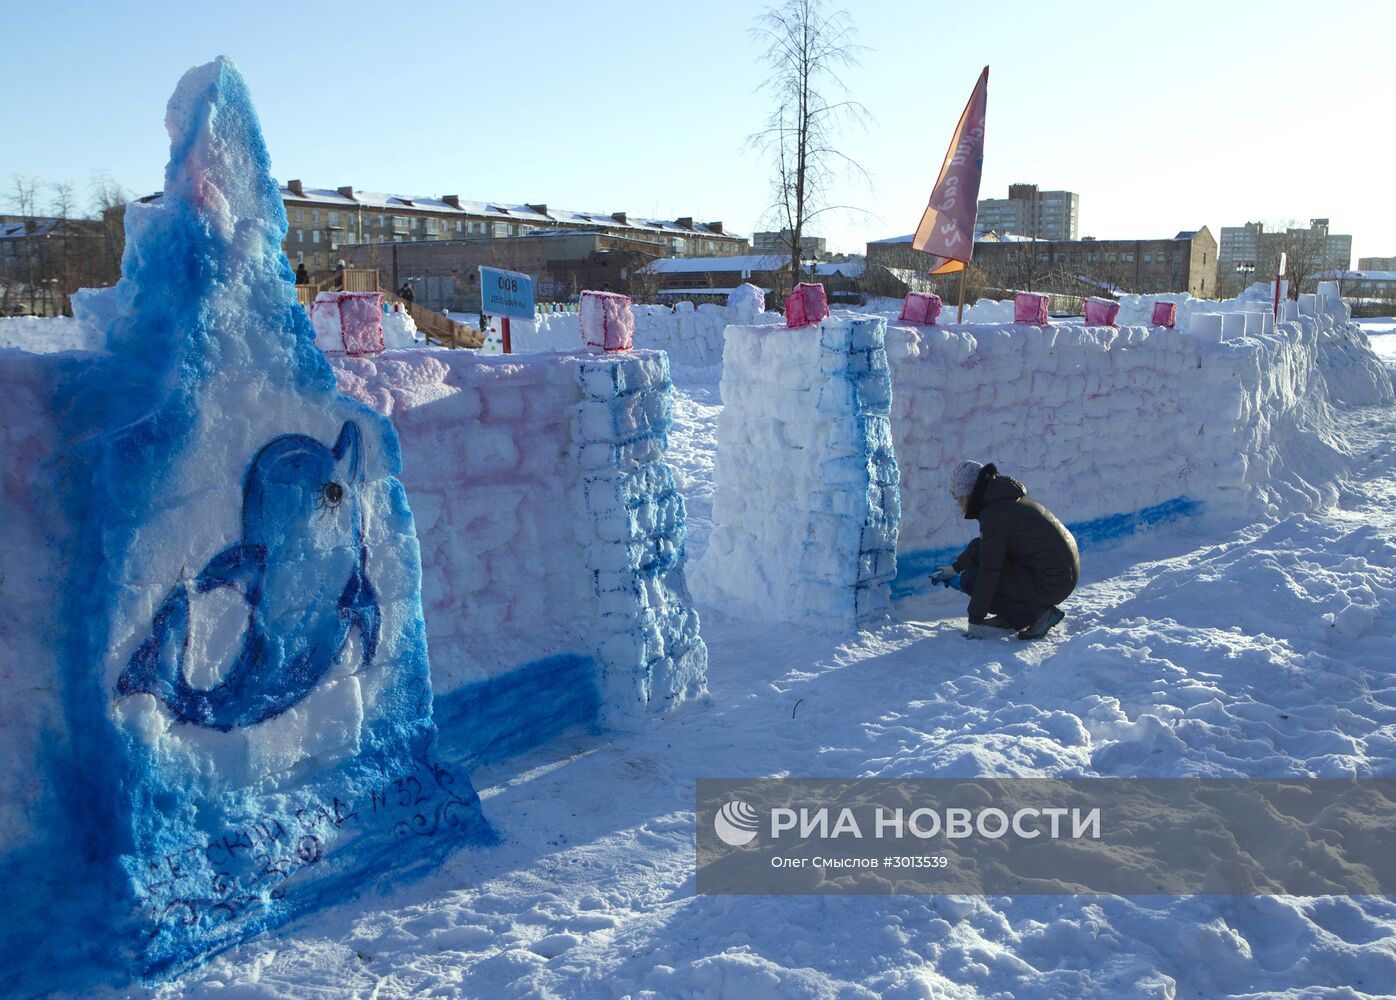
1382, 333
1265, 651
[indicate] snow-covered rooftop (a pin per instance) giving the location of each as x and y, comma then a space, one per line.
1358, 276
847, 268
497, 210
745, 262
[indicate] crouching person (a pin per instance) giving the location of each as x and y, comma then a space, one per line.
1024, 562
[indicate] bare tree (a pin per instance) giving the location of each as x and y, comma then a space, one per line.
24, 268
109, 205
805, 49
1304, 251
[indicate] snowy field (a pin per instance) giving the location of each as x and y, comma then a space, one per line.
1260, 650
1382, 333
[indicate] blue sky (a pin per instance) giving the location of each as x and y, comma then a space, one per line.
1162, 116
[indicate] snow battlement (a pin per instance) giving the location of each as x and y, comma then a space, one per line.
807, 505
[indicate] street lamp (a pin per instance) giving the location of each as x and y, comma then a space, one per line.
1244, 270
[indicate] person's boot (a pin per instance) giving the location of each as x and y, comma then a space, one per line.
999, 621
1043, 623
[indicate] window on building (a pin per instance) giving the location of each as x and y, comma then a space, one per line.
1059, 257
1090, 256
300, 215
459, 225
300, 256
334, 218
314, 215
400, 221
430, 225
1076, 257
1148, 256
315, 236
300, 235
1127, 256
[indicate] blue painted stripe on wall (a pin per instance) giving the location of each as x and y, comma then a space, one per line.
914, 568
516, 711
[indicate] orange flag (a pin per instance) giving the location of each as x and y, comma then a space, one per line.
947, 228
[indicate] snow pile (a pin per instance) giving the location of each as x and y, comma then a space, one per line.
806, 504
399, 329
691, 335
229, 609
46, 335
552, 535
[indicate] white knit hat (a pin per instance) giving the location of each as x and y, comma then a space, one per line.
964, 477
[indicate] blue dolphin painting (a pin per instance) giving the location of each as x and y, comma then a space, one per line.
300, 568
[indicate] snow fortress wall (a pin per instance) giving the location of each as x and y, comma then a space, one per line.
806, 506
552, 536
1113, 428
691, 335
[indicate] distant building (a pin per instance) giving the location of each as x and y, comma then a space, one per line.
1238, 245
320, 221
43, 260
1364, 283
1043, 215
1186, 262
779, 242
1307, 252
1376, 263
445, 273
767, 271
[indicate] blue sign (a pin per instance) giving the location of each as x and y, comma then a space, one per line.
506, 293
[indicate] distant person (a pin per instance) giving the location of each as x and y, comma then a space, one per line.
405, 292
1024, 562
302, 275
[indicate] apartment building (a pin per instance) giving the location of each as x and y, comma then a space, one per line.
321, 221
1043, 215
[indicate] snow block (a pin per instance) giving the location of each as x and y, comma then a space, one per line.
920, 307
1101, 312
805, 305
348, 322
806, 506
234, 628
1165, 314
1029, 307
607, 321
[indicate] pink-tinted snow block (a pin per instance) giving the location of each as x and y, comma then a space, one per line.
608, 321
1101, 312
361, 320
920, 307
1029, 307
806, 305
1165, 314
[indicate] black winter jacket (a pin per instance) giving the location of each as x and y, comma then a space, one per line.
1025, 553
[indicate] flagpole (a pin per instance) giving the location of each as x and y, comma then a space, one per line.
960, 316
